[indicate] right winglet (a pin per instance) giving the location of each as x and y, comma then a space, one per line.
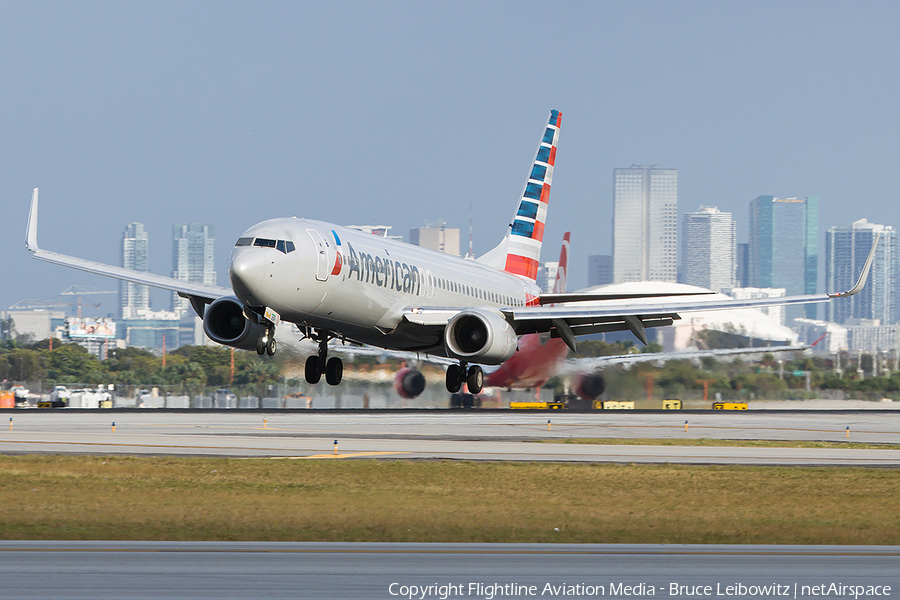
861, 282
31, 227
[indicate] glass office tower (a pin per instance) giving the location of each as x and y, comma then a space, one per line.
783, 248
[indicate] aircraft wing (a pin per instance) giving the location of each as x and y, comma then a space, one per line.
570, 319
594, 363
204, 293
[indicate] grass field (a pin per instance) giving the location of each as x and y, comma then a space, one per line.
163, 498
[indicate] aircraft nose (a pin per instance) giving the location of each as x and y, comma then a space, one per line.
248, 269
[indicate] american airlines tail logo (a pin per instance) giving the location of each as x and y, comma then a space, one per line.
527, 230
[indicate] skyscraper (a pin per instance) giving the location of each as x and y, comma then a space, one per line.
846, 250
645, 224
708, 238
193, 258
134, 297
600, 269
783, 247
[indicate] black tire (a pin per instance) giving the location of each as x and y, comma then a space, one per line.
312, 370
271, 347
261, 346
454, 381
334, 370
475, 379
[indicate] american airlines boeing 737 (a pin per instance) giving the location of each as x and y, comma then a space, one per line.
339, 283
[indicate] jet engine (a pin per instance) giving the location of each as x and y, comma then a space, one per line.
225, 323
481, 336
409, 383
589, 387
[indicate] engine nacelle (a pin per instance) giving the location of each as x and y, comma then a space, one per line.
409, 383
224, 322
480, 336
589, 387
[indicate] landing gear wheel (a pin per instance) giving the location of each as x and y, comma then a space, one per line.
261, 344
334, 370
454, 381
313, 374
475, 379
271, 347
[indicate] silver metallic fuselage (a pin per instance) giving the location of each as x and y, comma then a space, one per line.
360, 286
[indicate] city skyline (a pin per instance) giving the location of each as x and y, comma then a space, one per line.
769, 98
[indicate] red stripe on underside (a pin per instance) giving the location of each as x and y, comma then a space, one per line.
520, 265
545, 193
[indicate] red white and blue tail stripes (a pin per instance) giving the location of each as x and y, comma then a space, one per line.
527, 232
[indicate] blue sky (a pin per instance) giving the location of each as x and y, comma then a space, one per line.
404, 113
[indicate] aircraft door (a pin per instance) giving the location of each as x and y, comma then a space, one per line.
321, 255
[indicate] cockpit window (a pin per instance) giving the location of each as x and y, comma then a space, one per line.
283, 246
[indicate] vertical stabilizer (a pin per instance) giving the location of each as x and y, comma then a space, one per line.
524, 251
559, 287
520, 251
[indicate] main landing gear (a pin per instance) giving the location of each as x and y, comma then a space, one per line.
473, 376
333, 367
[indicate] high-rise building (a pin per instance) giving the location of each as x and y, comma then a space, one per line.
193, 258
708, 239
846, 250
645, 224
440, 238
784, 248
742, 265
600, 269
132, 296
546, 276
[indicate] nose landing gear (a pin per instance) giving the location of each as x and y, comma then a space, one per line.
267, 344
316, 365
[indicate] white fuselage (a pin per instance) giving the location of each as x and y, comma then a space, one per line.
358, 285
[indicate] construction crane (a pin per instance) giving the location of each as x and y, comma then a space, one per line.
80, 290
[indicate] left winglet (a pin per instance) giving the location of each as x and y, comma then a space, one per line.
31, 227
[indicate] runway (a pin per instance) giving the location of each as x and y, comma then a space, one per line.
311, 435
146, 570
